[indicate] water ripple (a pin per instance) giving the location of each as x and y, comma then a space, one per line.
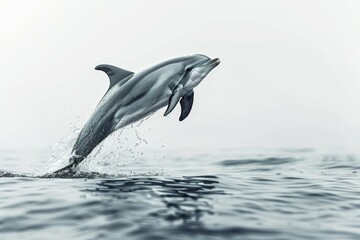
261, 161
287, 195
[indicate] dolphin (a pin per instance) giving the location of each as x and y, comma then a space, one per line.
131, 97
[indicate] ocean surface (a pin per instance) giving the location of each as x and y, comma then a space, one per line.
183, 194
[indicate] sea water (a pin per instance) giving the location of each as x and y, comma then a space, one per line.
184, 194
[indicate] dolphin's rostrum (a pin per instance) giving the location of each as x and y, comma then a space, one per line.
131, 97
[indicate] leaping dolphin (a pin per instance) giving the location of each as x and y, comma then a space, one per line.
131, 97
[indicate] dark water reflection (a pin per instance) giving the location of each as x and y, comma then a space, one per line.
184, 199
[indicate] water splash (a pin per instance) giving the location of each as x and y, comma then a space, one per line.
124, 152
60, 153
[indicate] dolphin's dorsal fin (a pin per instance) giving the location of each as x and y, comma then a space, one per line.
115, 74
186, 105
174, 99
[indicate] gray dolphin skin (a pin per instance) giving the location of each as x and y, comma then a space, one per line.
131, 97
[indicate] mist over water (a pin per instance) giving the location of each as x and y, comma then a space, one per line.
288, 77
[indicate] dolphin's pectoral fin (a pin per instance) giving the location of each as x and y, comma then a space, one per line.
186, 105
174, 99
115, 74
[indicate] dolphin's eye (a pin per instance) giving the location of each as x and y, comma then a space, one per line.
188, 69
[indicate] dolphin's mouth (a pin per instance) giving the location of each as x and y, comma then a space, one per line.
211, 62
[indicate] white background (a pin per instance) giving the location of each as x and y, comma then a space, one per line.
289, 75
